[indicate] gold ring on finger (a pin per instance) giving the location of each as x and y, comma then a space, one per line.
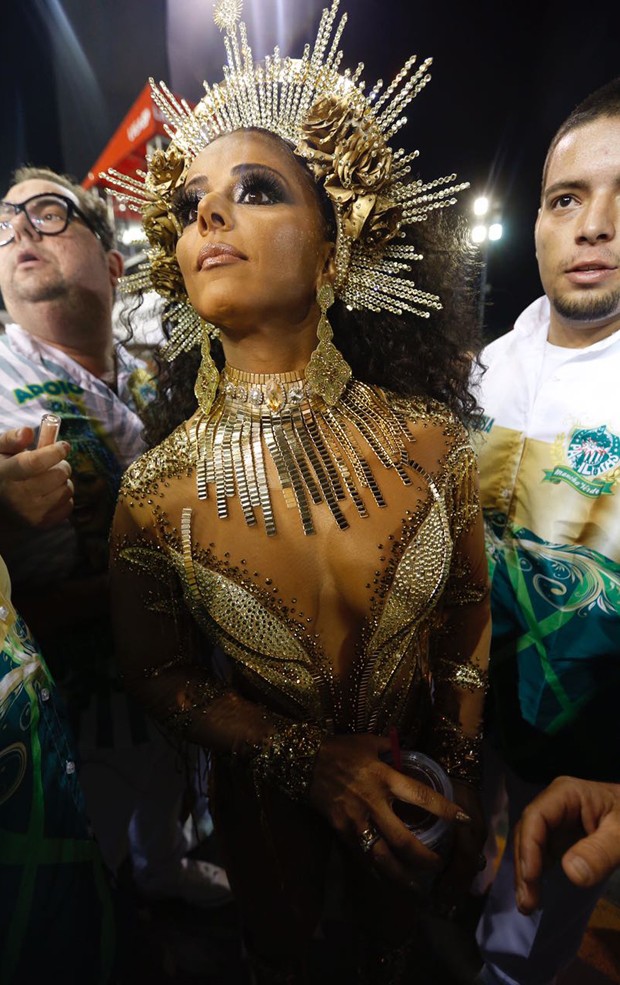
369, 837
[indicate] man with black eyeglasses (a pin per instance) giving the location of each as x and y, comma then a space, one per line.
58, 274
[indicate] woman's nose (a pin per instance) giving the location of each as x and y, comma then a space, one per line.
214, 212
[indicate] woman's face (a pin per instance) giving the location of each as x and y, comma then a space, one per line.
253, 250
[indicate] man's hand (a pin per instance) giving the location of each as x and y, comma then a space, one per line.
35, 488
581, 814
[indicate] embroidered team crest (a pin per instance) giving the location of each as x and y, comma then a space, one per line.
589, 461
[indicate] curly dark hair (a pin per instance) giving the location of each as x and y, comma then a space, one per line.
405, 354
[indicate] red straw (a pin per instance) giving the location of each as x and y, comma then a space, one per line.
396, 757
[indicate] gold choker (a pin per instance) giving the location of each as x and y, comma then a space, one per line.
315, 448
275, 392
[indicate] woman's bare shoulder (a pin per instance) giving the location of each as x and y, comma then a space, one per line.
424, 415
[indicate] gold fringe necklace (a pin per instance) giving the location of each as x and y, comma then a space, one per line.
315, 448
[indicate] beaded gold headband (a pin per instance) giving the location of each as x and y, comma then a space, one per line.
339, 130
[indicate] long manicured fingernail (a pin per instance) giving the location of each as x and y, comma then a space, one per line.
462, 817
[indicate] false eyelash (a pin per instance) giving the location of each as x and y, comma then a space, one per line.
184, 202
261, 180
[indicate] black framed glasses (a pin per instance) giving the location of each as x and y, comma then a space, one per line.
48, 214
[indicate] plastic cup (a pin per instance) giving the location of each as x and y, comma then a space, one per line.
434, 832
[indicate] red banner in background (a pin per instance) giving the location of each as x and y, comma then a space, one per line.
126, 151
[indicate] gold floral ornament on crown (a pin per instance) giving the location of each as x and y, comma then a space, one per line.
342, 133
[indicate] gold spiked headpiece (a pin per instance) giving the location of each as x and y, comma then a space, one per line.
340, 131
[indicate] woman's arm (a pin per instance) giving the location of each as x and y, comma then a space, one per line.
163, 657
460, 653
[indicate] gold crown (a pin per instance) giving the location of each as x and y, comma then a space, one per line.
343, 135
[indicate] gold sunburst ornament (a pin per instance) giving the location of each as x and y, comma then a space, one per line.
226, 13
340, 130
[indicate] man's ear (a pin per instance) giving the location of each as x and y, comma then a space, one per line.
538, 215
116, 266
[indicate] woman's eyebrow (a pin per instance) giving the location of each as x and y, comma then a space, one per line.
248, 166
199, 179
202, 180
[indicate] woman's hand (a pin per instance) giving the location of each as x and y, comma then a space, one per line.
355, 790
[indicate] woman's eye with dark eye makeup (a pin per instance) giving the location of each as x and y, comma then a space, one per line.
186, 205
259, 188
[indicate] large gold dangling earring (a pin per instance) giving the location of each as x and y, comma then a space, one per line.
328, 372
208, 375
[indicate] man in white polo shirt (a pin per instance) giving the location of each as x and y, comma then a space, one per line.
550, 484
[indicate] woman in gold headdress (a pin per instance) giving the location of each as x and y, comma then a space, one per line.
316, 516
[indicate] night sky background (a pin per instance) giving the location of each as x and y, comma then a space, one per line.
504, 77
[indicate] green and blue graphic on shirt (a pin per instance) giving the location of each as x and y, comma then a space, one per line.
56, 914
591, 453
556, 607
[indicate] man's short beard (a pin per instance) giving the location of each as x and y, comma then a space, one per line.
588, 307
34, 293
